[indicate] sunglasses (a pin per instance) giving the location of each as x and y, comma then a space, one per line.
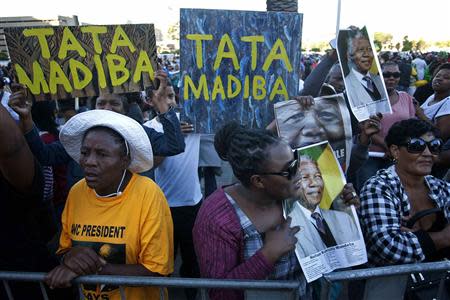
391, 74
418, 145
289, 173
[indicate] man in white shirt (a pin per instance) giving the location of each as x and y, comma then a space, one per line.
177, 177
420, 66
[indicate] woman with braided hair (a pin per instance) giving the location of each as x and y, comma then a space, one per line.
240, 231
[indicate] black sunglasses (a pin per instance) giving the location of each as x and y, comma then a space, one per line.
391, 74
289, 173
418, 145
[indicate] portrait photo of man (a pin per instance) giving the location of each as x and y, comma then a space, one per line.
363, 83
319, 228
302, 125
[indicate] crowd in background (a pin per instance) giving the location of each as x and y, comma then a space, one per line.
232, 232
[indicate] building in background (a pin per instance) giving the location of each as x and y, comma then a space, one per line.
28, 21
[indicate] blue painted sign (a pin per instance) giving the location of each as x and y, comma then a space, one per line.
236, 64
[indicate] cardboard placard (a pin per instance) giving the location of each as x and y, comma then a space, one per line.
236, 64
77, 61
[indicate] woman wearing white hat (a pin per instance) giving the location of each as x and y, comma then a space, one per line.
115, 221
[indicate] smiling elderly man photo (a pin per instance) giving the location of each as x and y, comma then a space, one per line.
363, 85
319, 228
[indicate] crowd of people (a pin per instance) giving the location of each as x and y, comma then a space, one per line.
114, 189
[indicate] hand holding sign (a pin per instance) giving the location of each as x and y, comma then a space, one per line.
369, 128
22, 106
164, 97
18, 100
349, 195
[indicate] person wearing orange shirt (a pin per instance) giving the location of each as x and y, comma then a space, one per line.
115, 221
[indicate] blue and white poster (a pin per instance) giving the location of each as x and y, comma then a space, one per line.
236, 64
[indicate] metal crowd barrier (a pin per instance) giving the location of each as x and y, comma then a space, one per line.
254, 289
378, 279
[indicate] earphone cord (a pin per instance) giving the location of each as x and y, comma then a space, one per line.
118, 193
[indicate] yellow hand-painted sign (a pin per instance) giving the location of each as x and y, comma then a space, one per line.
63, 62
226, 50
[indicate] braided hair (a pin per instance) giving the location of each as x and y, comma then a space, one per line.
245, 149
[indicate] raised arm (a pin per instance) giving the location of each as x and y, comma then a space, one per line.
46, 154
52, 154
171, 142
360, 149
317, 77
16, 160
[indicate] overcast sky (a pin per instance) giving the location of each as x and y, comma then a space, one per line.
427, 19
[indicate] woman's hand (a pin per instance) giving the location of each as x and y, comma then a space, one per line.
83, 261
305, 101
415, 227
161, 100
419, 110
369, 128
350, 196
280, 241
186, 127
60, 277
18, 101
22, 106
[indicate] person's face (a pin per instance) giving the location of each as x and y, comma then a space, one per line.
391, 81
321, 121
103, 161
418, 164
279, 158
336, 80
362, 54
441, 82
110, 102
312, 185
171, 96
169, 92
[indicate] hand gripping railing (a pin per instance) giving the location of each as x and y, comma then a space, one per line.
255, 289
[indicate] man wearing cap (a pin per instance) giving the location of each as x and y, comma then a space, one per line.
115, 221
169, 143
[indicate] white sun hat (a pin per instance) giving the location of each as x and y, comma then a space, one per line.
72, 133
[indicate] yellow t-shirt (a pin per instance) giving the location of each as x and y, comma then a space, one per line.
133, 228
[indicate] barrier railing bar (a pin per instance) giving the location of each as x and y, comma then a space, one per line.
8, 290
122, 293
80, 291
162, 296
161, 281
43, 290
386, 271
204, 294
442, 292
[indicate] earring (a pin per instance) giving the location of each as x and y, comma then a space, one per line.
395, 160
